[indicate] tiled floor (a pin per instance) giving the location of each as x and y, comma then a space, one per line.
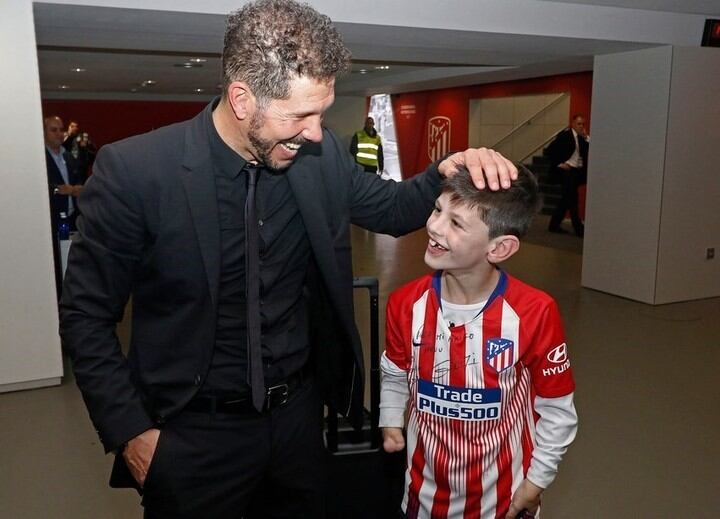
648, 399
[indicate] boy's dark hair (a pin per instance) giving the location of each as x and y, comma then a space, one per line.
267, 42
507, 211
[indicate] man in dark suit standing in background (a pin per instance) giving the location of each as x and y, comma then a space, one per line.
568, 154
231, 232
65, 183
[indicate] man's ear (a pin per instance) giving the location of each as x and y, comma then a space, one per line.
502, 247
241, 100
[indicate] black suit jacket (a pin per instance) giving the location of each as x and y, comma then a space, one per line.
150, 228
563, 146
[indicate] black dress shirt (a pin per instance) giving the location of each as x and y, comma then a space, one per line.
284, 259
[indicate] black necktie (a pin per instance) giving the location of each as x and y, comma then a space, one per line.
252, 293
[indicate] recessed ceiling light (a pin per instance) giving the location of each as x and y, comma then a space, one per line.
77, 69
148, 82
133, 90
188, 64
382, 67
199, 90
197, 60
63, 87
363, 71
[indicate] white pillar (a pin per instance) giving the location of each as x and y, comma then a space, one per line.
30, 353
653, 182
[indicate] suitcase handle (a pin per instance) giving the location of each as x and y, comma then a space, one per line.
332, 440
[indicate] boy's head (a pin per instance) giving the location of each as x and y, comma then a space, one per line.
470, 226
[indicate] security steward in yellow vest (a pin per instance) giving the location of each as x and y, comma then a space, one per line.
366, 147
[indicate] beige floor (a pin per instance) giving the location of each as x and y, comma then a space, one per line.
648, 399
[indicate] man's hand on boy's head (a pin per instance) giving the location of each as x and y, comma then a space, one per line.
526, 497
487, 167
393, 439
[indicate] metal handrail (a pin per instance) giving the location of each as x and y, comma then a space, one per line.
552, 103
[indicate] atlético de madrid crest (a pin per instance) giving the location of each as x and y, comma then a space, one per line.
438, 137
499, 353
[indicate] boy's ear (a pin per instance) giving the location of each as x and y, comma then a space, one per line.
241, 99
502, 247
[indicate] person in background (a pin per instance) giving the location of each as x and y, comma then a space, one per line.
65, 183
79, 145
568, 154
366, 148
479, 362
73, 128
231, 232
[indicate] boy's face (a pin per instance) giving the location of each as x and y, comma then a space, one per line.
458, 237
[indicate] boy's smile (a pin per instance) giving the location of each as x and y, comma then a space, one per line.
458, 238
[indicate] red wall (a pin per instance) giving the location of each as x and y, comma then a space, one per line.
109, 121
414, 110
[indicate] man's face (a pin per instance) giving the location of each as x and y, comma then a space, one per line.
54, 133
277, 132
578, 124
458, 238
369, 124
73, 128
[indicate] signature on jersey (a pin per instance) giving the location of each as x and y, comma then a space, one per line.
442, 368
422, 339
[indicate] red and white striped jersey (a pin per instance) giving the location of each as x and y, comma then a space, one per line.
471, 422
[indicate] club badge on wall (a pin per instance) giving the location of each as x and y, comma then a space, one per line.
438, 137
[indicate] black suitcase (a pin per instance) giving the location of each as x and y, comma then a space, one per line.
364, 481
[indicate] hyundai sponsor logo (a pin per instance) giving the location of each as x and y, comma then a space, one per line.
558, 355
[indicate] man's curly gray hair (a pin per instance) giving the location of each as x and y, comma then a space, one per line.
269, 42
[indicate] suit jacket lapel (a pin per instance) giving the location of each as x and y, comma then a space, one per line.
199, 181
53, 169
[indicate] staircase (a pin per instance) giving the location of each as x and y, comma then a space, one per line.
540, 166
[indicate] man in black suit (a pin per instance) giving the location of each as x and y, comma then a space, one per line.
65, 183
163, 221
568, 154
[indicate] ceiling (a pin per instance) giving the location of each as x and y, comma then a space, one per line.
100, 51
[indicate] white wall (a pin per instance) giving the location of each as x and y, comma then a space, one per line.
653, 192
536, 117
690, 218
29, 344
346, 116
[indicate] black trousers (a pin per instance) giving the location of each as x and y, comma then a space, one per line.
269, 465
571, 180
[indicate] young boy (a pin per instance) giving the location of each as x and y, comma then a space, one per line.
478, 360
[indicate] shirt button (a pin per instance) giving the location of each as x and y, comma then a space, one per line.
261, 223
